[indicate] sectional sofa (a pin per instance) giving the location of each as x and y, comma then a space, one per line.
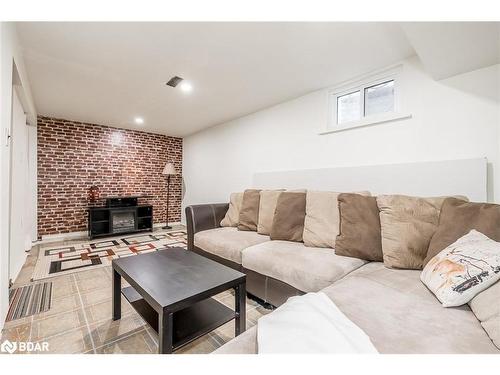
392, 306
276, 270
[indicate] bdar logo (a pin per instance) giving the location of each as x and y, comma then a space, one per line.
8, 347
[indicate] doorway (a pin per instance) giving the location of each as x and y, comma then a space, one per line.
22, 187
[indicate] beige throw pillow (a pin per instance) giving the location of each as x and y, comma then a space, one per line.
267, 206
407, 226
233, 213
322, 222
249, 212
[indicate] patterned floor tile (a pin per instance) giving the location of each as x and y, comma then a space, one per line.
60, 305
137, 342
69, 342
57, 324
19, 332
108, 331
103, 311
79, 320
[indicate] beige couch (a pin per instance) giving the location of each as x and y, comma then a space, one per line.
398, 313
275, 270
392, 306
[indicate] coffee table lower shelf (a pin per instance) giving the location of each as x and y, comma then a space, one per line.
190, 323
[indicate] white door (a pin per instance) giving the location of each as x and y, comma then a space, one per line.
32, 186
19, 188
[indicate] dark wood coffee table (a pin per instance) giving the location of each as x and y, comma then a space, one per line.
172, 289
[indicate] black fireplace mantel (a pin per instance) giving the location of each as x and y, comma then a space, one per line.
118, 219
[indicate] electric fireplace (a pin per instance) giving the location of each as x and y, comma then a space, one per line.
123, 221
119, 215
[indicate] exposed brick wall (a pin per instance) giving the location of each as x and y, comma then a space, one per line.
72, 156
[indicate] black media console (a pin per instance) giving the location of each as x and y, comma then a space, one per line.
120, 215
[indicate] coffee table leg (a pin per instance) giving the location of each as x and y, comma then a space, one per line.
240, 309
165, 332
117, 289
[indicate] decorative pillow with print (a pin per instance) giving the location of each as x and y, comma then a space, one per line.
462, 270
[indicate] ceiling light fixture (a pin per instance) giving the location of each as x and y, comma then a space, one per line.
186, 86
139, 120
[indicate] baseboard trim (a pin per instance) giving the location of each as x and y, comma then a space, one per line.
62, 237
83, 235
161, 225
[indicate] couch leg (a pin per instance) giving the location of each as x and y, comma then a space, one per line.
261, 302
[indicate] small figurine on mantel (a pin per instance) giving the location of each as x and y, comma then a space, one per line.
94, 193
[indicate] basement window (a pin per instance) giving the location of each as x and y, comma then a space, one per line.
379, 98
364, 102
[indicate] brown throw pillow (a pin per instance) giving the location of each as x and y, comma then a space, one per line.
249, 212
458, 218
288, 222
407, 226
359, 228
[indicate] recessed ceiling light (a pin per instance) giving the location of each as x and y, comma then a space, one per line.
185, 86
139, 120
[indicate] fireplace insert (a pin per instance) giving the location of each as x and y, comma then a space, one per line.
123, 221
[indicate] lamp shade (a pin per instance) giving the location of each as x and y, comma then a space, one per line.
169, 169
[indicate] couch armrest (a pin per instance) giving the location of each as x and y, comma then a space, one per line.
201, 217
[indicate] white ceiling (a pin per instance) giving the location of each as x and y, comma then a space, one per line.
108, 73
450, 48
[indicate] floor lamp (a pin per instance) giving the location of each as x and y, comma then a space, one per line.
168, 171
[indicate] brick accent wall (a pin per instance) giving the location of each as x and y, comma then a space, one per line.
72, 156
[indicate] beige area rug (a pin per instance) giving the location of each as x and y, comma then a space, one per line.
82, 256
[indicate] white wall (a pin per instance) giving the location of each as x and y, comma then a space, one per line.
10, 57
452, 119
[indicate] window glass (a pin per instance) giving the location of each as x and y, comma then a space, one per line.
348, 107
379, 98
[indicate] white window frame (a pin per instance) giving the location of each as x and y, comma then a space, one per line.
392, 74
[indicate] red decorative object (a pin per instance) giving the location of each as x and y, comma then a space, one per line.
94, 193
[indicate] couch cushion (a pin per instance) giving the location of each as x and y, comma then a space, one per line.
232, 216
227, 242
308, 269
322, 221
246, 343
401, 316
458, 218
486, 307
249, 211
288, 221
267, 206
407, 226
398, 314
359, 234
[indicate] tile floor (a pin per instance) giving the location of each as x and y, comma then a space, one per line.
79, 320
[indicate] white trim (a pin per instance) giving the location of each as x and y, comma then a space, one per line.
83, 235
368, 121
61, 237
160, 225
393, 70
392, 73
